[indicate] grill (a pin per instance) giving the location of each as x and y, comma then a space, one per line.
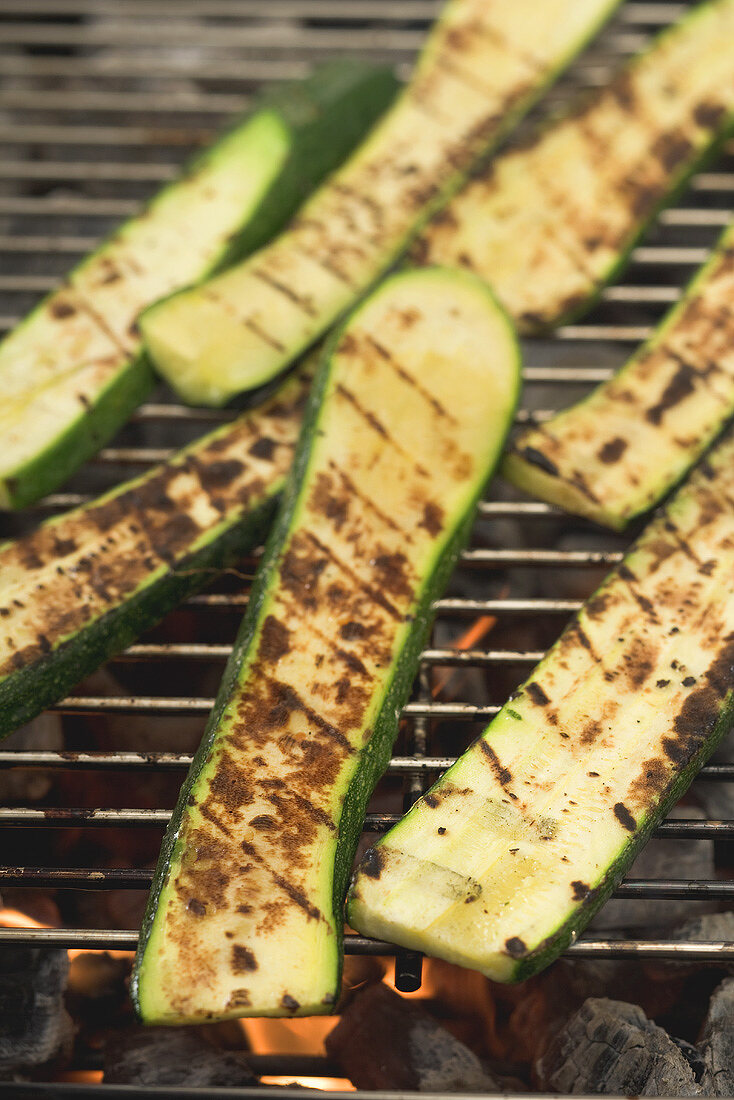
100, 101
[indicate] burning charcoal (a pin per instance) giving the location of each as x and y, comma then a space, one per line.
172, 1056
662, 859
385, 1042
34, 1025
611, 1047
717, 1041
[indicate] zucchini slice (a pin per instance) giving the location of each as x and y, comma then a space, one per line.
616, 453
406, 421
553, 221
73, 371
508, 856
87, 583
483, 66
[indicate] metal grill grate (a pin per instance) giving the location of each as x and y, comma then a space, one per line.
100, 101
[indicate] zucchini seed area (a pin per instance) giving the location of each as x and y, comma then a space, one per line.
483, 65
617, 453
417, 396
512, 851
549, 224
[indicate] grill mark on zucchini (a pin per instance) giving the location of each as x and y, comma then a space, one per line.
80, 568
633, 144
359, 223
670, 700
681, 384
308, 718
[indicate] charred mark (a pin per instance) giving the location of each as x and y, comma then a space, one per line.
591, 731
503, 774
290, 1004
287, 699
536, 693
353, 631
539, 459
260, 332
352, 661
275, 639
709, 115
689, 681
392, 574
326, 501
681, 385
263, 448
352, 490
432, 800
580, 890
433, 516
60, 309
612, 450
374, 593
624, 817
652, 779
662, 683
410, 379
304, 304
217, 475
297, 895
671, 150
198, 908
373, 863
377, 426
515, 947
242, 959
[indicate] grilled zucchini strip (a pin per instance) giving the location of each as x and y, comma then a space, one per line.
550, 223
87, 583
508, 856
406, 421
485, 63
73, 371
615, 454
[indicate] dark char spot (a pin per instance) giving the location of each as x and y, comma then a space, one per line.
373, 863
612, 451
624, 817
242, 959
537, 694
537, 458
515, 947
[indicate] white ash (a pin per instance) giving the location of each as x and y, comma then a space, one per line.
717, 1041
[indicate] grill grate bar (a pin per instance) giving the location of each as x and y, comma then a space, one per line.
75, 817
123, 940
160, 761
208, 651
633, 13
134, 878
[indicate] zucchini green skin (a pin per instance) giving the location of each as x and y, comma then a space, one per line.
484, 65
615, 454
87, 583
548, 247
184, 929
307, 129
606, 697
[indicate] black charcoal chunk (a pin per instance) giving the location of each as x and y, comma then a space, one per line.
383, 1041
172, 1056
34, 1025
717, 1041
611, 1047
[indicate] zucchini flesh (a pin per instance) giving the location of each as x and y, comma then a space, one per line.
484, 64
616, 453
550, 223
406, 421
72, 372
87, 583
508, 856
